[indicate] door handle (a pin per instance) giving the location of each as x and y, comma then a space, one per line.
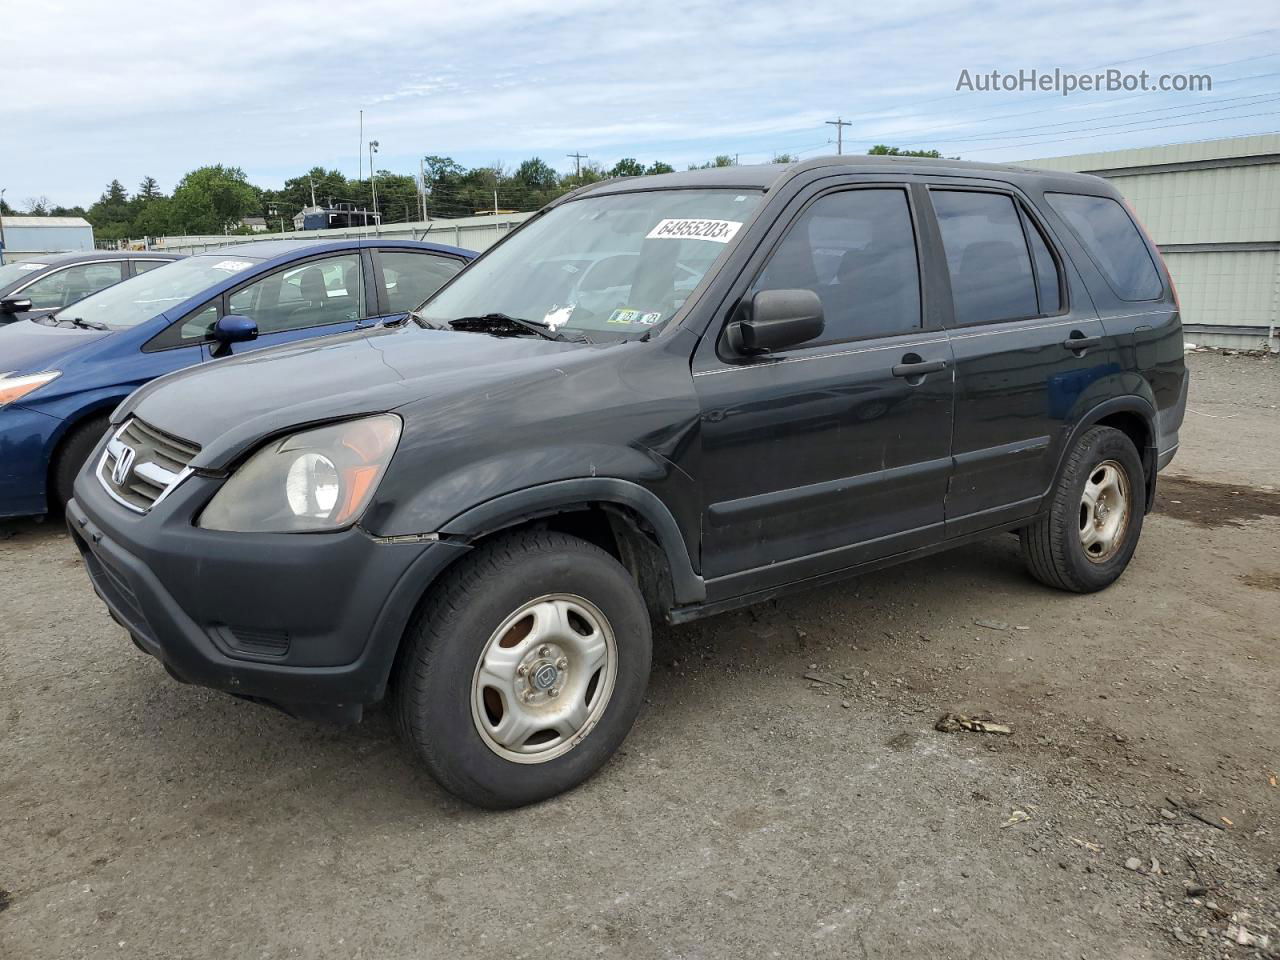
917, 367
1079, 342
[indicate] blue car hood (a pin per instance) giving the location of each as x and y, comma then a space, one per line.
30, 347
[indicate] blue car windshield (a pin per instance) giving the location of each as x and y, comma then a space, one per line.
139, 299
609, 266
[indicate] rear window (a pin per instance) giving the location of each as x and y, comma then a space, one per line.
1112, 239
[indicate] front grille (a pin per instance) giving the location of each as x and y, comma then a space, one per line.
142, 464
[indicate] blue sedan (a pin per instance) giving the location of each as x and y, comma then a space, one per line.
61, 375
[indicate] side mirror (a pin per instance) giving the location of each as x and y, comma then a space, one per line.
774, 319
15, 305
235, 328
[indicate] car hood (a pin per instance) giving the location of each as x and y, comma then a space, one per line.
30, 347
229, 406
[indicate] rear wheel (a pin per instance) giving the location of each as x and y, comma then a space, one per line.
71, 456
1090, 531
525, 669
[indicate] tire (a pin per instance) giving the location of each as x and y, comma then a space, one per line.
71, 456
1054, 545
496, 613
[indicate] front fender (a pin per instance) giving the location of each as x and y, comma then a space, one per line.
520, 505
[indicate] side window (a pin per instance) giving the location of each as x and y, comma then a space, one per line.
309, 294
410, 278
74, 283
142, 266
987, 256
1048, 283
1112, 239
198, 325
857, 251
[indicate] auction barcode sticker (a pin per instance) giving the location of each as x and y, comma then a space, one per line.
717, 231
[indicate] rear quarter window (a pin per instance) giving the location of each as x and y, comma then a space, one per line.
1111, 238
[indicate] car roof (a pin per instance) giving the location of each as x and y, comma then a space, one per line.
272, 249
81, 256
765, 176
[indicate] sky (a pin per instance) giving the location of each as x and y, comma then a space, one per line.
97, 90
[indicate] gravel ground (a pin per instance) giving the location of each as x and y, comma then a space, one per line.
753, 811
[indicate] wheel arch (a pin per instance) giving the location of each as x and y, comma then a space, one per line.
635, 516
1133, 416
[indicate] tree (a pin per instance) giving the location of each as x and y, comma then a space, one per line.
148, 189
627, 167
535, 174
212, 199
111, 216
659, 167
784, 158
884, 150
721, 160
37, 206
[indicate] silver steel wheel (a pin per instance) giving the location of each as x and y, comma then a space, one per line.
1104, 511
544, 678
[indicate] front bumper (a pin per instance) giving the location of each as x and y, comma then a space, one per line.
307, 622
26, 437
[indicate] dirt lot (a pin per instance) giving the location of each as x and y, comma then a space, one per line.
754, 812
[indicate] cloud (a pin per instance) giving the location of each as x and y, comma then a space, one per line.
276, 86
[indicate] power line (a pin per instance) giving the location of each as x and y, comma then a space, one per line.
1013, 134
1166, 126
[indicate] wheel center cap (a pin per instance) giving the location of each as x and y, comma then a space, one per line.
1103, 510
544, 677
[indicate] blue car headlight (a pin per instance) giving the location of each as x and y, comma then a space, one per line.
14, 387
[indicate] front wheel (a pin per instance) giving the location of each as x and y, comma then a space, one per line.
525, 669
1086, 538
72, 456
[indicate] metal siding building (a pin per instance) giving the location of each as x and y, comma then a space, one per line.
28, 237
1213, 208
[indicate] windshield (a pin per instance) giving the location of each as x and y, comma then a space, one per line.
619, 264
139, 299
13, 272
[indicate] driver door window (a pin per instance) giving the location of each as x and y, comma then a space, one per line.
310, 294
857, 251
65, 287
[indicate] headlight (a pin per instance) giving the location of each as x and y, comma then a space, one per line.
13, 387
316, 480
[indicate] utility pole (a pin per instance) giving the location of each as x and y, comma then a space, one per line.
360, 151
839, 123
577, 159
373, 186
2, 226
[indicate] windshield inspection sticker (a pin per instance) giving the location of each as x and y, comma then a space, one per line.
233, 266
625, 315
31, 266
717, 231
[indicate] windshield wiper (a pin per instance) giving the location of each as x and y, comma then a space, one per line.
502, 323
88, 324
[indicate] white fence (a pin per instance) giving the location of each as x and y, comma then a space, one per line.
474, 233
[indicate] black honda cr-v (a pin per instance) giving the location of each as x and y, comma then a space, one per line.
662, 397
